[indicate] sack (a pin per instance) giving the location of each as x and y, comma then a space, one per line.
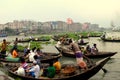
21, 71
12, 59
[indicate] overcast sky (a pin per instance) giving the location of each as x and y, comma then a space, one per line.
101, 12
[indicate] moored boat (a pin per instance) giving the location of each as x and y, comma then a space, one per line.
76, 74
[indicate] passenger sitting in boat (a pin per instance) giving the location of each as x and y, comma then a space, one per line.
15, 53
20, 71
81, 41
57, 65
60, 42
94, 49
23, 63
82, 49
25, 50
51, 70
37, 59
23, 67
78, 54
104, 35
39, 53
31, 55
66, 41
88, 49
34, 71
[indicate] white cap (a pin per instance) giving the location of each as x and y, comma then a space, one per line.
35, 62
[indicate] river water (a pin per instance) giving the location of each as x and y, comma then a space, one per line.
112, 66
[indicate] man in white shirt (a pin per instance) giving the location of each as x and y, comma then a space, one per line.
31, 55
35, 70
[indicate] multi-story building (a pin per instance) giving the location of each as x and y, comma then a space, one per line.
47, 26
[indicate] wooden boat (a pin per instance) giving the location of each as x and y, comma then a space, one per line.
56, 38
28, 40
103, 37
45, 59
101, 54
94, 35
97, 55
85, 37
83, 43
41, 39
24, 41
110, 40
75, 74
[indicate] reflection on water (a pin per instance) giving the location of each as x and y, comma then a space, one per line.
113, 70
67, 60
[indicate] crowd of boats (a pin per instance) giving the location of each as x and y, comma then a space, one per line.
35, 57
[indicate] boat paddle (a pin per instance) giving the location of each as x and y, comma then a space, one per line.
90, 61
29, 44
104, 70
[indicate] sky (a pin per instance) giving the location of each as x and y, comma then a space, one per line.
100, 12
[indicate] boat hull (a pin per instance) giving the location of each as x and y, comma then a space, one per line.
90, 55
85, 75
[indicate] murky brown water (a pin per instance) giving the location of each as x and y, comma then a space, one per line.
113, 66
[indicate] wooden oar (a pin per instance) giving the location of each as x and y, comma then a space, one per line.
29, 44
90, 61
104, 70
